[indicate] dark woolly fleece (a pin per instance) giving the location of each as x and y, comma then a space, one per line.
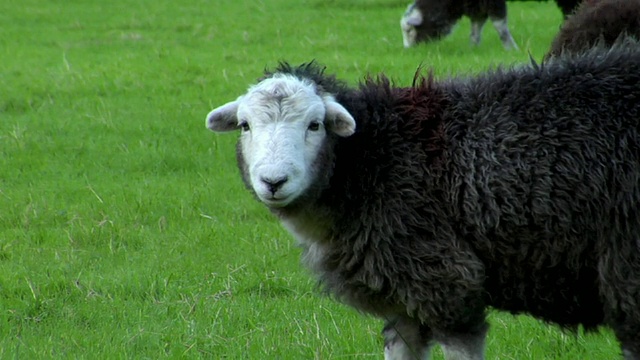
518, 189
597, 21
566, 6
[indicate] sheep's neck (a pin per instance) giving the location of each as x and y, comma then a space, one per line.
312, 234
307, 228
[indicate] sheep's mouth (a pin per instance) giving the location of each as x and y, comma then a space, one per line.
275, 201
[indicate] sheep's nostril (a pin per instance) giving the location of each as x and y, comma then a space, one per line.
274, 183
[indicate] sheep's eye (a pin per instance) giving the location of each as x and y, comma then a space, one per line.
314, 126
245, 126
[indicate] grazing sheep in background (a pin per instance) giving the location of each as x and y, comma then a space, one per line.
518, 190
597, 21
427, 20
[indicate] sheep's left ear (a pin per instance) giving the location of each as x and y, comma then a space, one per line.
224, 118
338, 119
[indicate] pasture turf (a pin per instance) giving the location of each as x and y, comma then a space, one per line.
125, 231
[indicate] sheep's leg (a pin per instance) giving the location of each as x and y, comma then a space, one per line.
628, 330
406, 339
629, 355
629, 337
619, 273
500, 24
476, 30
464, 347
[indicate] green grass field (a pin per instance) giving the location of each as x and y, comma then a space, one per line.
125, 231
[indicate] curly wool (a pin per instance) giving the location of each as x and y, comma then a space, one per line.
597, 21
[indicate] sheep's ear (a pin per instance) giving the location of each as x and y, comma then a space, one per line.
224, 118
339, 120
414, 18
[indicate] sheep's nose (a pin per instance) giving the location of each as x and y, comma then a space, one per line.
274, 183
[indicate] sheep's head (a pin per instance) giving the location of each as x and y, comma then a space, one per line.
418, 26
284, 122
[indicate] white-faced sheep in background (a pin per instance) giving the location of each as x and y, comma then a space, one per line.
427, 20
600, 22
426, 205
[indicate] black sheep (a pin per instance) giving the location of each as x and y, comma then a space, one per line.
518, 189
426, 20
597, 21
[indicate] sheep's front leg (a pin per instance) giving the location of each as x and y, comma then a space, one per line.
630, 355
505, 35
464, 347
476, 30
406, 339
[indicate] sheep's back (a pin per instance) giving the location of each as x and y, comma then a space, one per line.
546, 166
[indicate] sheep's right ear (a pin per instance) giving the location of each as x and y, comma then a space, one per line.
224, 118
414, 18
339, 119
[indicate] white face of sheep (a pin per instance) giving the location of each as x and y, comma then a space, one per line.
284, 122
411, 18
423, 26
